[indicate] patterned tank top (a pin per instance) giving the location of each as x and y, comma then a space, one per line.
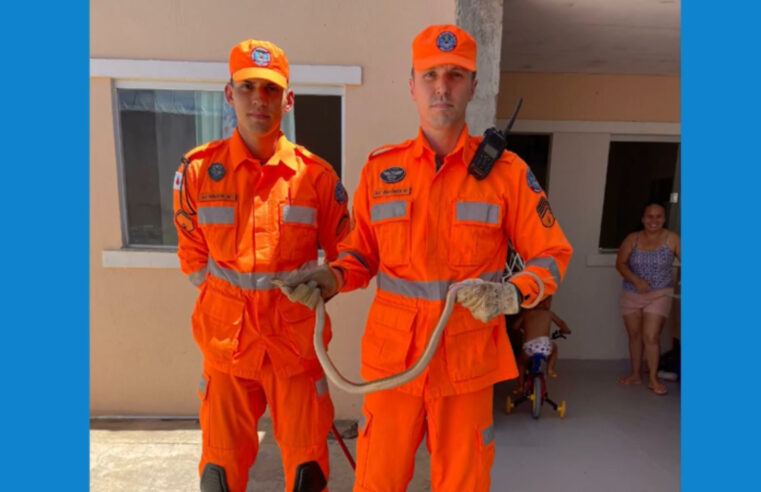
653, 266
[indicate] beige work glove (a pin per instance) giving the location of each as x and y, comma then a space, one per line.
486, 300
306, 286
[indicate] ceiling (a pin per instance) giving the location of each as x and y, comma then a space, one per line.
591, 36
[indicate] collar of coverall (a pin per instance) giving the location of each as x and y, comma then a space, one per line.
283, 152
463, 144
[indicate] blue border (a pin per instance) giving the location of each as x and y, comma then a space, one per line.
44, 200
720, 177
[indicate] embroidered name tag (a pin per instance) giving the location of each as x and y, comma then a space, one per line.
222, 197
391, 192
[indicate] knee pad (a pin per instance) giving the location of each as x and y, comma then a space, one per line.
309, 478
213, 479
539, 345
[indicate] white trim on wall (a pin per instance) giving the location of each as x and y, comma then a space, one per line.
195, 71
623, 128
129, 258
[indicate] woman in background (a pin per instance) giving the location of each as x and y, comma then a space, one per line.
645, 261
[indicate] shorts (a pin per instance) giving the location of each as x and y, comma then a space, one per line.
655, 302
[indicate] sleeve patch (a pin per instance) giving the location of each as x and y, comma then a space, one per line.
545, 212
340, 193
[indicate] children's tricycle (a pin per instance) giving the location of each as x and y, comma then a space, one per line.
535, 387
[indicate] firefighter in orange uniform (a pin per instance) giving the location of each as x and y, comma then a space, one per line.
422, 222
247, 209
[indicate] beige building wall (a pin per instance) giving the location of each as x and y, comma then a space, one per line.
583, 112
143, 360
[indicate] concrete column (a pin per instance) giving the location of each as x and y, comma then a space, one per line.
483, 20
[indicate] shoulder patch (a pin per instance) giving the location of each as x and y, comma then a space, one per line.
385, 148
203, 150
532, 182
339, 192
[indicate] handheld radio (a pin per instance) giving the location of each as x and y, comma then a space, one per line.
491, 147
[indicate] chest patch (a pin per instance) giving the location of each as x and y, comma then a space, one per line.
392, 174
216, 171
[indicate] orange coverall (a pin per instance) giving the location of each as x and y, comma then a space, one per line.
241, 224
421, 230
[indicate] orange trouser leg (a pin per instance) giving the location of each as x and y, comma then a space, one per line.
460, 440
230, 409
302, 414
390, 431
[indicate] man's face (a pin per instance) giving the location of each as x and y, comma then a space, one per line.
441, 94
259, 104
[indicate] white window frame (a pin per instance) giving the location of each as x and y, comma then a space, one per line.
191, 75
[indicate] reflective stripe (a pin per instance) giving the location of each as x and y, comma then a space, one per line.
299, 214
202, 385
487, 435
215, 215
321, 385
356, 256
388, 210
477, 212
431, 290
196, 278
246, 281
361, 422
547, 262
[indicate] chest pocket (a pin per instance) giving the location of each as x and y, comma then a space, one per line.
391, 222
298, 231
218, 224
476, 232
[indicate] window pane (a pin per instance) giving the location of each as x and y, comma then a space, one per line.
638, 173
318, 126
157, 128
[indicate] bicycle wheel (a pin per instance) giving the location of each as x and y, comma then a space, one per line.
536, 404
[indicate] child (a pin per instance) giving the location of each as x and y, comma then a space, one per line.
534, 324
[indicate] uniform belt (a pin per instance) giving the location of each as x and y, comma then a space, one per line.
430, 290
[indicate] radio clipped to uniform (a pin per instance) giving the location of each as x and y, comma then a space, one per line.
491, 147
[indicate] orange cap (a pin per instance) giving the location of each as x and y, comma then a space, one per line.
444, 44
254, 59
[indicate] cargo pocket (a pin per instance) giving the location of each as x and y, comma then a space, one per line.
218, 225
217, 322
388, 336
471, 346
391, 223
298, 231
297, 325
476, 233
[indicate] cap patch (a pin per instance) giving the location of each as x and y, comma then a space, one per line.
216, 171
446, 41
392, 174
261, 56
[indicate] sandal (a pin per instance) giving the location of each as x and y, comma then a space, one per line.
659, 389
